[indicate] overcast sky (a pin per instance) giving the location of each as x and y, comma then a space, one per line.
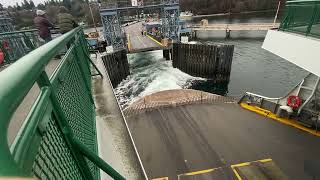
7, 3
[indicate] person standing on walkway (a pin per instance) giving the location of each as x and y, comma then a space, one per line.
66, 21
43, 25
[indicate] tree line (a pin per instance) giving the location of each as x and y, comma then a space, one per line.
24, 12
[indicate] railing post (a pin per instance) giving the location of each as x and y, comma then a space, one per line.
98, 161
28, 42
63, 125
315, 9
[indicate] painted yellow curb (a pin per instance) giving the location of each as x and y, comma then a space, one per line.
233, 167
289, 122
155, 40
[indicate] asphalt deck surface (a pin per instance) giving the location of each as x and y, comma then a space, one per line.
140, 42
184, 139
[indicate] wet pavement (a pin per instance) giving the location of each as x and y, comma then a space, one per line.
203, 141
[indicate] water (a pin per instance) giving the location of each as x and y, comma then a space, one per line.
253, 69
151, 73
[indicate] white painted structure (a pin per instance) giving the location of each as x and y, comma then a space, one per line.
297, 49
134, 2
184, 39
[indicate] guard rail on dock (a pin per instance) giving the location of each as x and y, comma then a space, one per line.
302, 17
16, 44
58, 137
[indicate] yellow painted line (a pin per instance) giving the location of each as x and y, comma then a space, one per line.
288, 122
155, 40
162, 178
233, 167
241, 164
237, 174
129, 42
198, 172
265, 160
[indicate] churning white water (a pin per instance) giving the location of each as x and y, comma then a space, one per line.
150, 73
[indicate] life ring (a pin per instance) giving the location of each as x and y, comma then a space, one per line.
294, 102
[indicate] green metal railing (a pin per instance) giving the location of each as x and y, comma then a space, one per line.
303, 17
58, 137
16, 44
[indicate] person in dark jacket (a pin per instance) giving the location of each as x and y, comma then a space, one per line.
43, 25
66, 21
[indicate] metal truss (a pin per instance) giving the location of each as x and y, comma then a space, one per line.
110, 16
113, 33
5, 22
170, 22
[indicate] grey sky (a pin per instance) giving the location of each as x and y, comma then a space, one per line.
7, 3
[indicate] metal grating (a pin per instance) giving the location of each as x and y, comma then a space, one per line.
74, 99
302, 17
18, 43
54, 159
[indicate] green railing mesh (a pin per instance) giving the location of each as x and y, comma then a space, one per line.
54, 159
58, 137
302, 17
16, 44
76, 102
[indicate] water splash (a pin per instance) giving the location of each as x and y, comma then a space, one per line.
150, 73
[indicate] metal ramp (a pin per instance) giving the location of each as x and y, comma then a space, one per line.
307, 114
307, 90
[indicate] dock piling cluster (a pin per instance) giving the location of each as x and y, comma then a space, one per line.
204, 60
117, 66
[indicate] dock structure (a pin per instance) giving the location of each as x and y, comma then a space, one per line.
112, 14
236, 27
204, 60
5, 22
138, 42
228, 28
117, 66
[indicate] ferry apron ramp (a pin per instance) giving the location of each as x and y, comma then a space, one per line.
190, 139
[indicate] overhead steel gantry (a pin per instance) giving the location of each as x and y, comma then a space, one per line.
5, 22
112, 13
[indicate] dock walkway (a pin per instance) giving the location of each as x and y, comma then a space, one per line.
236, 27
138, 42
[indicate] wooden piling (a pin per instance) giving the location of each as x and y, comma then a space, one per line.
117, 66
166, 54
204, 60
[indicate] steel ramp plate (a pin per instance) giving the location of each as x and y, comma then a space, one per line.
260, 170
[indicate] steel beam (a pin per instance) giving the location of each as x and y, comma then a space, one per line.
111, 19
112, 30
170, 22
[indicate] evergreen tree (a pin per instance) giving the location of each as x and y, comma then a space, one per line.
26, 5
18, 7
32, 6
41, 6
